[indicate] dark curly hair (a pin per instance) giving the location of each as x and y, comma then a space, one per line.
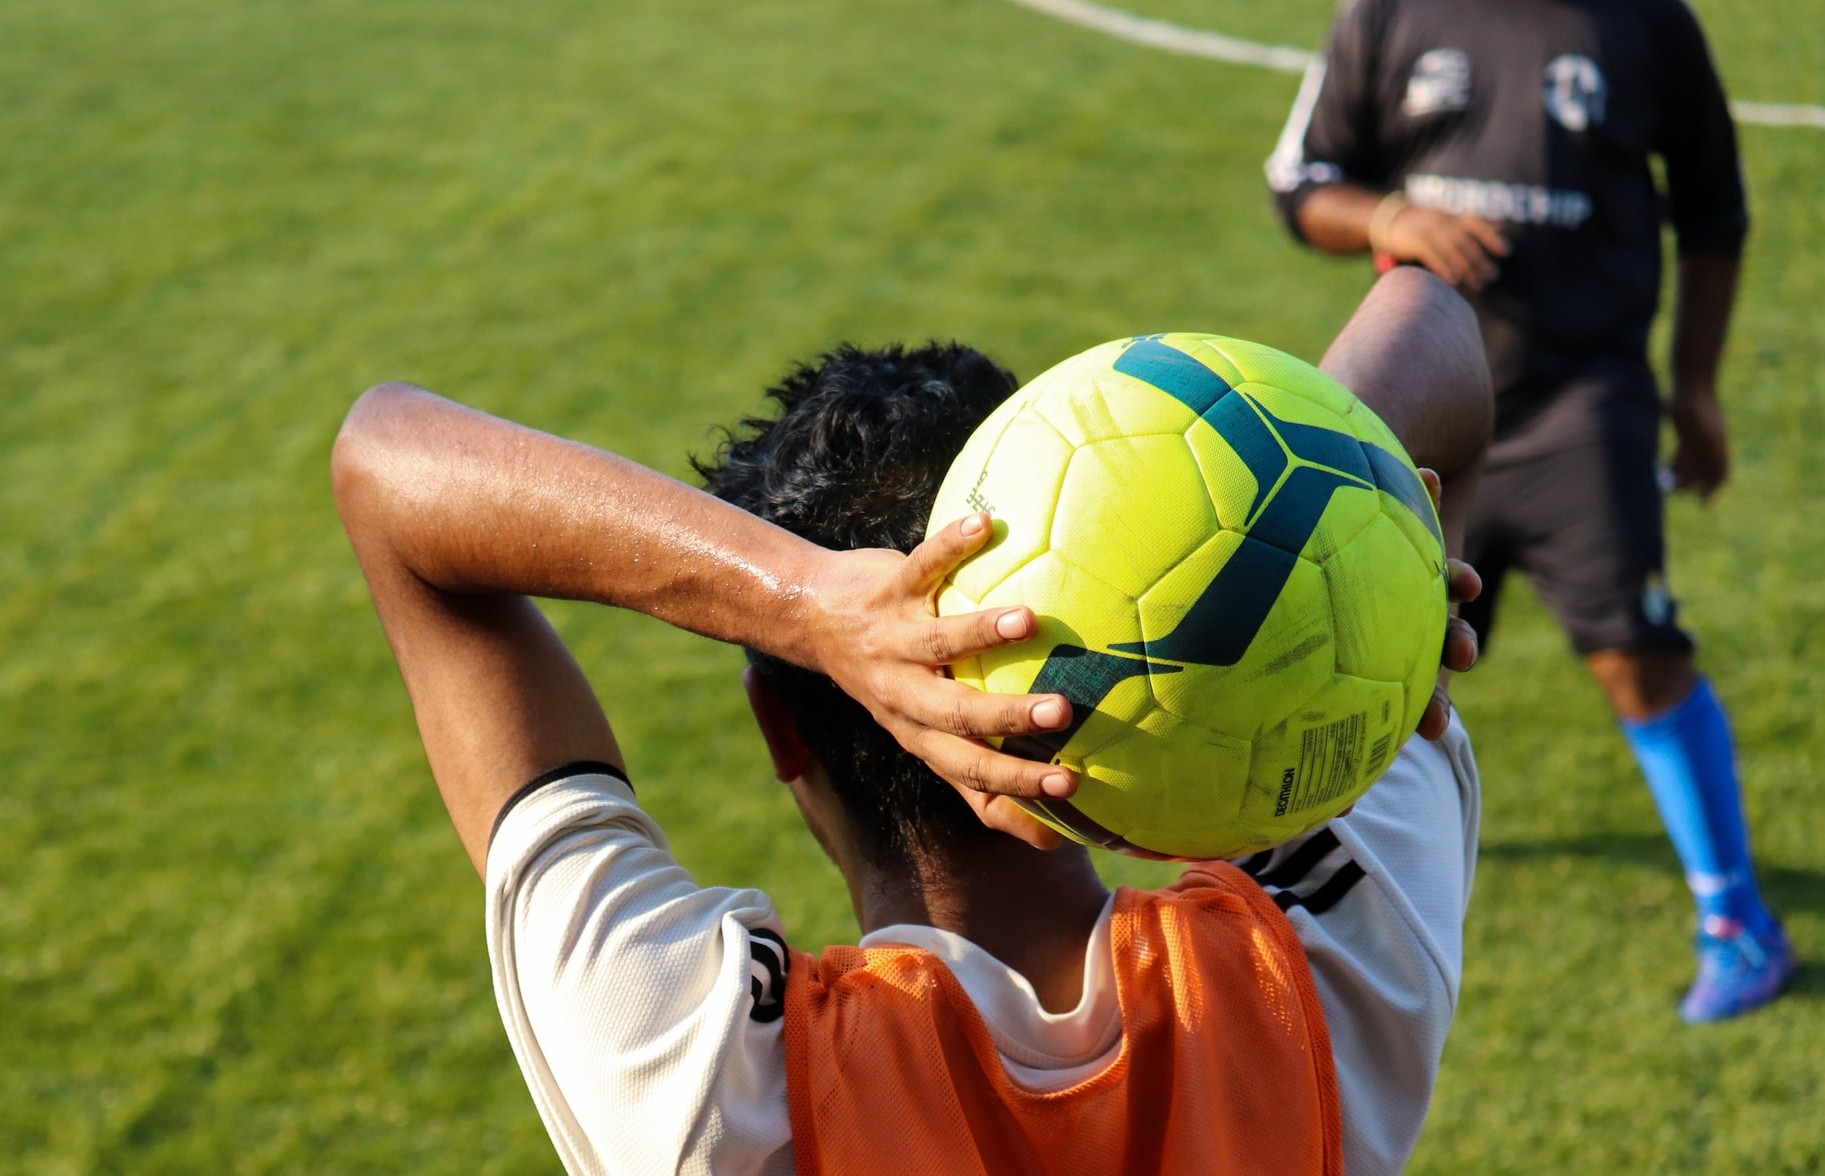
854, 459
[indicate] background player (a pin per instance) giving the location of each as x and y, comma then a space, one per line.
662, 1026
1506, 147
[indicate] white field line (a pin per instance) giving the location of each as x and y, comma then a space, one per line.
1163, 35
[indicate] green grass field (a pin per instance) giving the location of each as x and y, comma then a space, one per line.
236, 933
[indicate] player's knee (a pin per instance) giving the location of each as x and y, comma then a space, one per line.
1643, 683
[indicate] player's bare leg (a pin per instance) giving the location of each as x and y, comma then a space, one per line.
1643, 684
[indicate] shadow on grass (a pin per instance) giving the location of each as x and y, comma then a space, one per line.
1648, 853
1787, 887
1789, 890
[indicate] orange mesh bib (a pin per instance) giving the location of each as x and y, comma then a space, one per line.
1225, 1064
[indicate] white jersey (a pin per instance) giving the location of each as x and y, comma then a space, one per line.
645, 1010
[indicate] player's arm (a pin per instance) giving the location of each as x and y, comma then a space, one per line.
1710, 213
1378, 896
1705, 294
1413, 353
1334, 179
460, 518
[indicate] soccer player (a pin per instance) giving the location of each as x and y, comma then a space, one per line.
1505, 145
1003, 1012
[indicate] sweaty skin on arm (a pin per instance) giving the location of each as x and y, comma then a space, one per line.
460, 518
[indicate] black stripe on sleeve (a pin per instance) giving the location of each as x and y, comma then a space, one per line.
1302, 864
1299, 863
1254, 864
769, 961
1326, 896
564, 772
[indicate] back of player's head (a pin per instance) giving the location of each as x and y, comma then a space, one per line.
854, 459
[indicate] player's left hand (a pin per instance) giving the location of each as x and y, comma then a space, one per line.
879, 638
1701, 459
1460, 647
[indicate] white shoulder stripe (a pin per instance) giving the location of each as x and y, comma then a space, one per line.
1286, 166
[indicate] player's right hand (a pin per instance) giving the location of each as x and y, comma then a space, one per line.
1460, 249
1701, 457
881, 640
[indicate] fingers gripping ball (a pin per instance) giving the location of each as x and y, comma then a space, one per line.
1240, 582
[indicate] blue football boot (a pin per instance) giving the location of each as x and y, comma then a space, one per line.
1738, 969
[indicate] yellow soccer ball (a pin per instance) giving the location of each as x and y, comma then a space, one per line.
1240, 583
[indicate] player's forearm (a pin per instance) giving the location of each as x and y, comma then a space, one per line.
472, 505
1413, 353
1701, 320
1336, 217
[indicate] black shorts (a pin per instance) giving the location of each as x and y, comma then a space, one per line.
1585, 526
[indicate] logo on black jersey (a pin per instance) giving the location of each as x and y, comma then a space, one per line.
1657, 604
1440, 81
1575, 92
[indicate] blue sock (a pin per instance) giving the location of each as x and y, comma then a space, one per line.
1689, 759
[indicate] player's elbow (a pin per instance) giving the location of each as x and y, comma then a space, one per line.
1453, 336
1424, 329
1461, 339
1289, 205
1466, 421
358, 459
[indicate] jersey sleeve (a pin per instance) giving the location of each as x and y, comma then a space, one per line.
1378, 898
644, 1010
1330, 134
1697, 139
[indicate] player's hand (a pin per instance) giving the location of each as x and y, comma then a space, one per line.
1462, 584
1460, 249
879, 638
1460, 648
1701, 457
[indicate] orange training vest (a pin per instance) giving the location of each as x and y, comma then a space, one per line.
1224, 1067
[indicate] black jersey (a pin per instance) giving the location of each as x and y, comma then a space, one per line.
1542, 115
